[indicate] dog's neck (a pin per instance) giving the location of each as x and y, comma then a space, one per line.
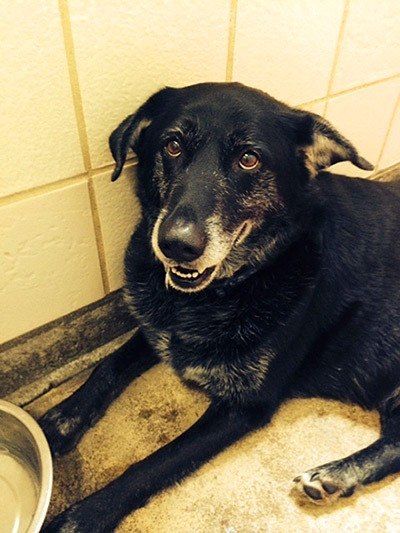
239, 277
313, 241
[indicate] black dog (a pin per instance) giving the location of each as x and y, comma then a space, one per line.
257, 277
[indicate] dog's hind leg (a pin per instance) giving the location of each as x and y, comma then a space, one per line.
325, 484
65, 424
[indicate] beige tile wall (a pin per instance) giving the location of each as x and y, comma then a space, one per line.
72, 70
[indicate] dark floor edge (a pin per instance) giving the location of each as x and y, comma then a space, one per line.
30, 392
388, 173
32, 357
25, 337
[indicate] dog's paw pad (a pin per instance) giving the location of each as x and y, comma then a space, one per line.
318, 488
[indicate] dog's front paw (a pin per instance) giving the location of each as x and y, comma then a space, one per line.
63, 524
91, 515
62, 429
70, 521
325, 484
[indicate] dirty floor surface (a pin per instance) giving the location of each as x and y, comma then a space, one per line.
247, 488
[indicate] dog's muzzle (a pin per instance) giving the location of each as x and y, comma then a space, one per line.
183, 242
193, 253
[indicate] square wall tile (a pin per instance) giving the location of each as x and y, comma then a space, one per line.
370, 48
363, 116
49, 262
391, 151
119, 211
127, 50
287, 48
40, 142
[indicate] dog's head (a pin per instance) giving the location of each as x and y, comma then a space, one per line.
222, 169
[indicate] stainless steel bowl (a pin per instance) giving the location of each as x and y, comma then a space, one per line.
26, 472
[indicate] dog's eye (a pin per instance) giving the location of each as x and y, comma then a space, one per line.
249, 161
173, 148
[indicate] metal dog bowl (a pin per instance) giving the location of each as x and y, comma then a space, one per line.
26, 472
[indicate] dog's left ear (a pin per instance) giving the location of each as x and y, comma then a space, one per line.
322, 145
128, 133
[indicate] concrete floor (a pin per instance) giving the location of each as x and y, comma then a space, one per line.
247, 488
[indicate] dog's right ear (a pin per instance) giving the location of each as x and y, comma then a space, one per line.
127, 134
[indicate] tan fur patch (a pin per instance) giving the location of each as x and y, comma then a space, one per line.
319, 154
229, 380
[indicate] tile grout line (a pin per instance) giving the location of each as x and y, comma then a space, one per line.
388, 131
364, 86
42, 189
60, 184
74, 82
231, 40
337, 54
310, 102
83, 137
350, 90
99, 236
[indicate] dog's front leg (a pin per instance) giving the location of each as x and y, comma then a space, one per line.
66, 423
220, 426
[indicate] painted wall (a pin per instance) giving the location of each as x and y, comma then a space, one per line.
70, 71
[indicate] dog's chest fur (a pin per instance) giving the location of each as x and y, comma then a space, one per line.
208, 348
221, 340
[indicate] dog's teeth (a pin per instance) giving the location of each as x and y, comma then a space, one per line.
187, 275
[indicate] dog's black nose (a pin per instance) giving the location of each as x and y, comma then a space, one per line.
181, 240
